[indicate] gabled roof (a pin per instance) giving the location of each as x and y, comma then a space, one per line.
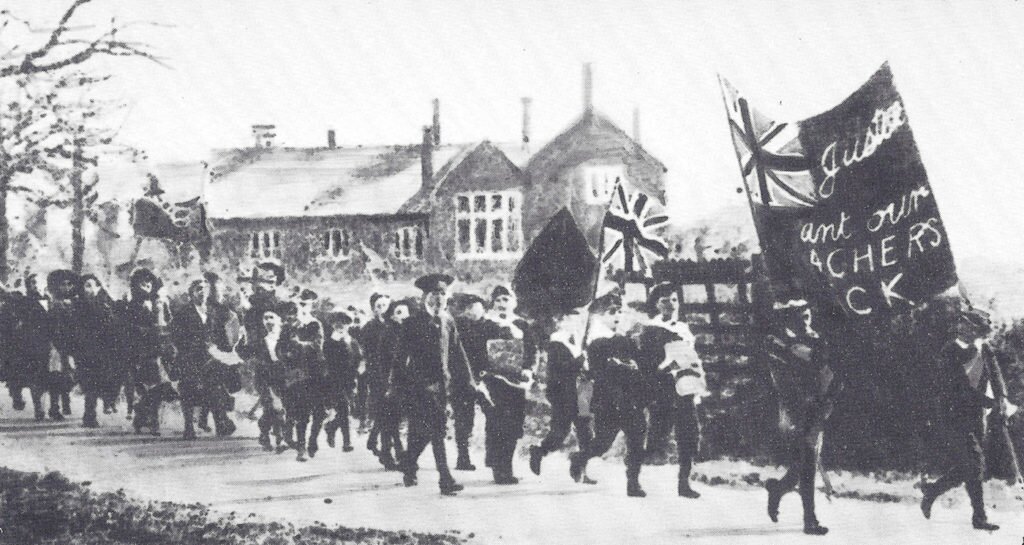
581, 134
459, 165
289, 182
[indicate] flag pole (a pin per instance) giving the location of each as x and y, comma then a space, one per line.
600, 264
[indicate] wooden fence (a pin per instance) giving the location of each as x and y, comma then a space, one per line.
723, 300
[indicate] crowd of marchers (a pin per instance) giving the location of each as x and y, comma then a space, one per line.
412, 364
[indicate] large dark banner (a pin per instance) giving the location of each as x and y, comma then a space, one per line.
842, 204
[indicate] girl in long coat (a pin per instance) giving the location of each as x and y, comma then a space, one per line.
96, 329
144, 319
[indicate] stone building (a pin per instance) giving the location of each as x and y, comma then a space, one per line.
468, 209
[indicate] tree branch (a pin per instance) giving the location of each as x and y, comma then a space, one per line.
36, 62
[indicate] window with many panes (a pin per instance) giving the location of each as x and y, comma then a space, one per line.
489, 224
599, 181
408, 244
264, 244
337, 243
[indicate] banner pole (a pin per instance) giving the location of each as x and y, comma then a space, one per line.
600, 265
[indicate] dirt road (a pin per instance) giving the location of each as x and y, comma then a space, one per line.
352, 490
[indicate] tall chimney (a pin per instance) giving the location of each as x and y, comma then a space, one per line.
588, 89
331, 144
437, 122
636, 125
526, 122
263, 135
427, 159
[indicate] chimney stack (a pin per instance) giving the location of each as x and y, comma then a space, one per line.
526, 122
588, 89
636, 125
263, 135
427, 159
331, 144
436, 129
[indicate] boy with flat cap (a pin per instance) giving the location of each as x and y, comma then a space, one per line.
669, 410
564, 364
973, 385
621, 393
507, 382
435, 366
799, 363
341, 357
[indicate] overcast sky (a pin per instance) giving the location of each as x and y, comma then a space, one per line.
370, 69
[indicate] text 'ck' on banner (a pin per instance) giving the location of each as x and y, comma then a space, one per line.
842, 204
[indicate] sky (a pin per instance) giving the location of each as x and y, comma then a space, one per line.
369, 70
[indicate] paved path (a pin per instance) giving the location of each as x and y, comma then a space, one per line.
236, 475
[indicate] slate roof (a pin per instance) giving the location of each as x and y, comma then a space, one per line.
251, 183
592, 128
422, 201
290, 182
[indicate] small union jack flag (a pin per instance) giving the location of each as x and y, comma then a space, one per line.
775, 168
634, 229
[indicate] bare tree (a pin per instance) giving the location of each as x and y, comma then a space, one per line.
66, 45
82, 133
34, 127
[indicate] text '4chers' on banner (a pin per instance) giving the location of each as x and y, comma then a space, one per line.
841, 203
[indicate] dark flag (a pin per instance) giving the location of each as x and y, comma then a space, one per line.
557, 271
842, 204
181, 222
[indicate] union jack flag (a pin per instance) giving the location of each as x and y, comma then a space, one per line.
775, 167
633, 229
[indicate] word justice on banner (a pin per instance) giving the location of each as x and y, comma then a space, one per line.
844, 210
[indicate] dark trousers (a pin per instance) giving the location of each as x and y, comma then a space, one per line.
385, 413
968, 466
686, 425
389, 426
300, 404
662, 412
801, 475
464, 415
147, 408
607, 425
564, 418
91, 400
38, 391
317, 416
54, 386
193, 401
130, 390
340, 420
15, 389
427, 425
504, 424
270, 422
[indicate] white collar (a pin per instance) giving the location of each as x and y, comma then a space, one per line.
568, 340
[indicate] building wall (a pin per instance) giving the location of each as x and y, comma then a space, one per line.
557, 181
485, 170
300, 247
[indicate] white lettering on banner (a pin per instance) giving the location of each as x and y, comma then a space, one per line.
922, 230
887, 249
831, 269
813, 234
849, 301
870, 256
835, 158
816, 261
889, 290
889, 214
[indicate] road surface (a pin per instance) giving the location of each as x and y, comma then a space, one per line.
351, 489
